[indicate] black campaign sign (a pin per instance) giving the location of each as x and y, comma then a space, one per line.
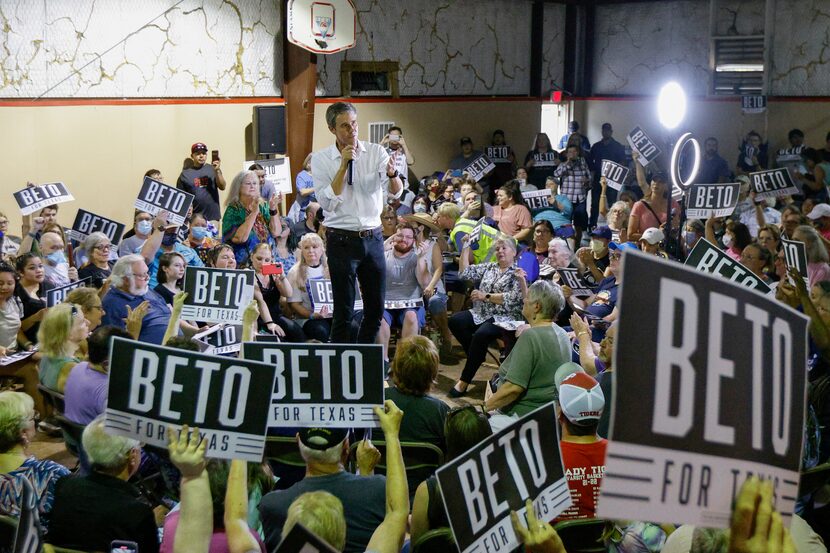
87, 222
55, 296
217, 295
709, 389
480, 168
614, 173
751, 103
33, 198
156, 196
302, 540
708, 258
499, 154
151, 387
481, 486
536, 199
712, 200
322, 384
570, 277
640, 142
773, 183
547, 159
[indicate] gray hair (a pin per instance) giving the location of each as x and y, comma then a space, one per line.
335, 110
236, 185
622, 206
816, 252
15, 410
123, 268
548, 295
506, 240
330, 456
93, 240
104, 450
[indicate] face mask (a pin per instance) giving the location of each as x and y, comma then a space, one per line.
727, 240
522, 182
200, 233
597, 247
168, 239
56, 258
144, 227
420, 208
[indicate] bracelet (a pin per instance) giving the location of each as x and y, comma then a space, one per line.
583, 333
270, 323
273, 211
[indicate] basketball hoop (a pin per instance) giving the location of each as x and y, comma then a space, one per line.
322, 26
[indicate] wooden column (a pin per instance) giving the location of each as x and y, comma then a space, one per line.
299, 82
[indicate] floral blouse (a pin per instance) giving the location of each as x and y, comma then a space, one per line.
494, 281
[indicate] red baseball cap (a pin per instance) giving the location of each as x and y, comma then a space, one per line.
198, 147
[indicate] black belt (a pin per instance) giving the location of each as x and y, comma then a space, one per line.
368, 233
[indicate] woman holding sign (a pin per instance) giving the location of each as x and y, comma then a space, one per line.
249, 221
651, 210
541, 161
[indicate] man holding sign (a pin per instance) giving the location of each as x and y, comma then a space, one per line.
350, 181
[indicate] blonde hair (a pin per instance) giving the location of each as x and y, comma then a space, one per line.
16, 408
415, 365
53, 334
449, 209
298, 275
86, 298
321, 513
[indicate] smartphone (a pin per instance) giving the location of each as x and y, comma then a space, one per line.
456, 173
272, 269
394, 138
119, 546
214, 155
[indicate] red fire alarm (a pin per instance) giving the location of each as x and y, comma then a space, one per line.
556, 96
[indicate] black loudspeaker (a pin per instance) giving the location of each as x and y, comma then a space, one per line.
269, 129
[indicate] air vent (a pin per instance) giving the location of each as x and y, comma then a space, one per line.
378, 130
738, 65
369, 78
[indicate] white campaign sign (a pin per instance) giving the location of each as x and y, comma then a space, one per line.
277, 172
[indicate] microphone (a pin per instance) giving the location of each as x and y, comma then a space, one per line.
351, 172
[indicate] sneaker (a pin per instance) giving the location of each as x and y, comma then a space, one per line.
47, 427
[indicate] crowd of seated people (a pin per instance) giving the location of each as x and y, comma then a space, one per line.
471, 270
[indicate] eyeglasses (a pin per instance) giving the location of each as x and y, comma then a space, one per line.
103, 247
389, 218
142, 276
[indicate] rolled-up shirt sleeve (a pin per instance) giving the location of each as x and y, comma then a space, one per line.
384, 178
323, 170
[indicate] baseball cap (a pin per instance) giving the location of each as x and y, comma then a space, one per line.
198, 147
573, 126
581, 398
322, 438
607, 126
602, 232
819, 211
498, 131
654, 235
622, 246
466, 140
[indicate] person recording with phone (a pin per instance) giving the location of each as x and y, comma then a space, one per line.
351, 181
398, 150
204, 181
273, 284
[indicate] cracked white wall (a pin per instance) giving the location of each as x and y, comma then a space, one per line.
553, 46
444, 47
59, 49
639, 46
801, 49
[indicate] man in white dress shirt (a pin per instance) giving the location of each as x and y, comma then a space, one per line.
352, 199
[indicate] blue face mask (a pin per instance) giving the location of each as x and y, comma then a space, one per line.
168, 239
144, 227
56, 258
420, 208
200, 233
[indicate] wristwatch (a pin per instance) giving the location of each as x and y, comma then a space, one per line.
394, 175
487, 296
273, 211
